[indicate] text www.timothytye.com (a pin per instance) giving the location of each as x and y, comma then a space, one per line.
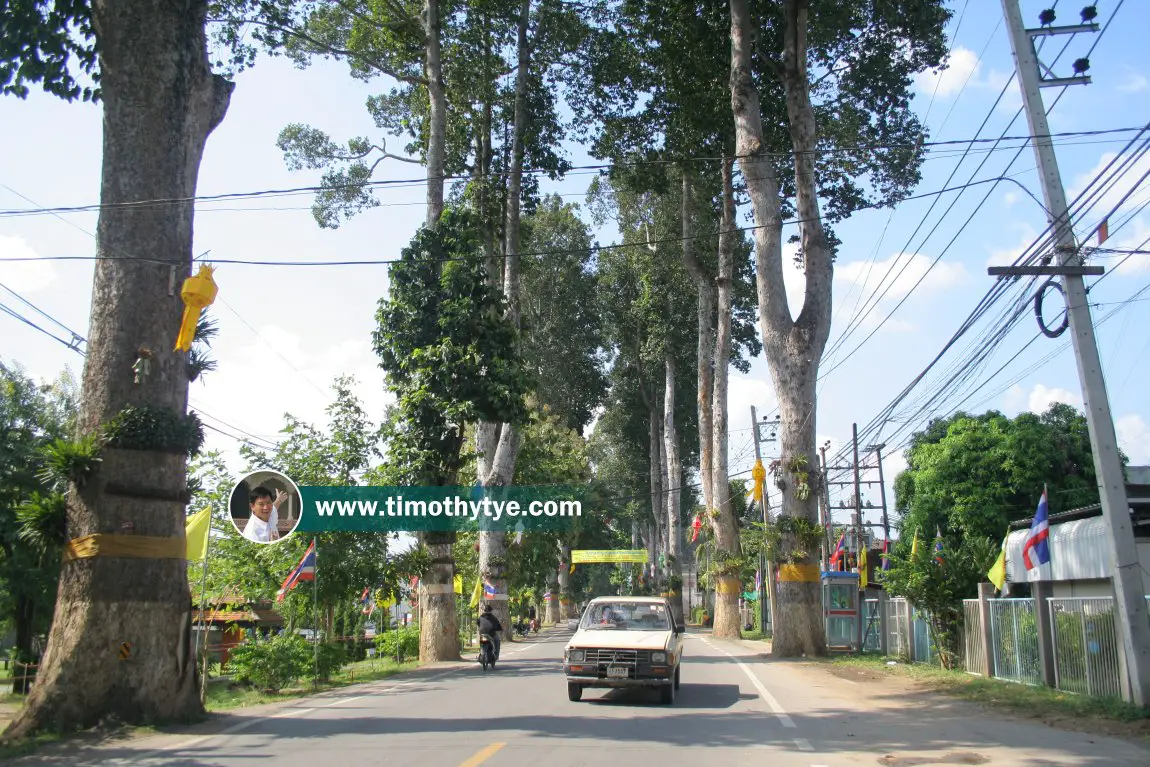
449, 507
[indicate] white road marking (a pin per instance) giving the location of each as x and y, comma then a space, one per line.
764, 693
803, 744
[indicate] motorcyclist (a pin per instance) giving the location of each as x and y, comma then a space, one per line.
490, 625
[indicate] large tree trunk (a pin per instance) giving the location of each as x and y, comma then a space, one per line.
437, 113
706, 317
674, 477
565, 609
438, 624
161, 102
794, 347
658, 497
553, 600
727, 551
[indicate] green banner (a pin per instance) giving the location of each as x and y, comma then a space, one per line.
441, 509
589, 556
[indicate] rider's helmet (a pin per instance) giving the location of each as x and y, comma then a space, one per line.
486, 608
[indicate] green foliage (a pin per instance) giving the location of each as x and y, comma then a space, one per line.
407, 640
272, 664
786, 540
938, 589
449, 354
41, 44
151, 427
67, 460
797, 469
974, 475
33, 418
199, 361
329, 657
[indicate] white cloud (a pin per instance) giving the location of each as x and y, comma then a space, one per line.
1132, 237
1042, 397
794, 279
1134, 438
1009, 198
1116, 183
962, 64
253, 386
1135, 84
1008, 255
900, 273
23, 276
1015, 400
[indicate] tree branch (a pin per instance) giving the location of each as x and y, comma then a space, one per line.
326, 48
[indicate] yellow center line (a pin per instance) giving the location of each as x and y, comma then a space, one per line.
483, 755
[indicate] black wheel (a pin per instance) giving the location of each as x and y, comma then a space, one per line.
667, 694
676, 677
574, 692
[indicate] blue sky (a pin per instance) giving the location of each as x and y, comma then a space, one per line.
286, 332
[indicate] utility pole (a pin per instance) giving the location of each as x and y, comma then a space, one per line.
859, 543
765, 581
826, 499
1133, 622
877, 450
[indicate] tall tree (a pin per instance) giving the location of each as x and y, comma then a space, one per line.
34, 423
821, 102
450, 356
161, 102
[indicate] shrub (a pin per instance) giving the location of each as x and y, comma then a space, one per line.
408, 643
331, 657
271, 664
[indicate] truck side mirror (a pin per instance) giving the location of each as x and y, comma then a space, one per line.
680, 628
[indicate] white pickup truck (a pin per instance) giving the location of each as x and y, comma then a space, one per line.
625, 642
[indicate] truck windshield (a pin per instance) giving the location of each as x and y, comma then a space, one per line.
627, 616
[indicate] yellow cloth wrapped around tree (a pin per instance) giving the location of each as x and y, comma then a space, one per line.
199, 292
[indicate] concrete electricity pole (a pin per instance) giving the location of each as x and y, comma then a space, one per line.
765, 581
1127, 575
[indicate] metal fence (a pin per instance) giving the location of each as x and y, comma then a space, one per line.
872, 627
924, 648
973, 648
1014, 640
1087, 651
898, 640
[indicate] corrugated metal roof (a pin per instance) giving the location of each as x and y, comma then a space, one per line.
1079, 550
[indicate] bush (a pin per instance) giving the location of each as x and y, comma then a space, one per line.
408, 644
271, 664
331, 657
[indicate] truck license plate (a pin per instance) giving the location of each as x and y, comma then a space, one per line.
617, 672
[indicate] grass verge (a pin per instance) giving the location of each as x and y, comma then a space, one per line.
223, 695
1020, 699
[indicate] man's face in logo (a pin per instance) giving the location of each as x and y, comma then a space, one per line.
262, 508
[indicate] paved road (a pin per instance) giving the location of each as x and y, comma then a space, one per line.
734, 708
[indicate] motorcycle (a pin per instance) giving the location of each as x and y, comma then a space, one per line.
521, 629
486, 651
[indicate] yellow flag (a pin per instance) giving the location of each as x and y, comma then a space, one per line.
477, 593
862, 569
914, 544
459, 584
196, 531
997, 573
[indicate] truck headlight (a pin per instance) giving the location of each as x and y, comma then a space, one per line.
575, 656
658, 657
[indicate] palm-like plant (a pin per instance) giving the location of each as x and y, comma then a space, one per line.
198, 360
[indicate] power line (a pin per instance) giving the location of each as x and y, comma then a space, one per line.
415, 182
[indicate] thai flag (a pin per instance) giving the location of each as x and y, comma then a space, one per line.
837, 555
547, 595
488, 589
1038, 539
304, 571
365, 601
938, 545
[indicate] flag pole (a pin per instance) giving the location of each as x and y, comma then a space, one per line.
315, 611
203, 642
